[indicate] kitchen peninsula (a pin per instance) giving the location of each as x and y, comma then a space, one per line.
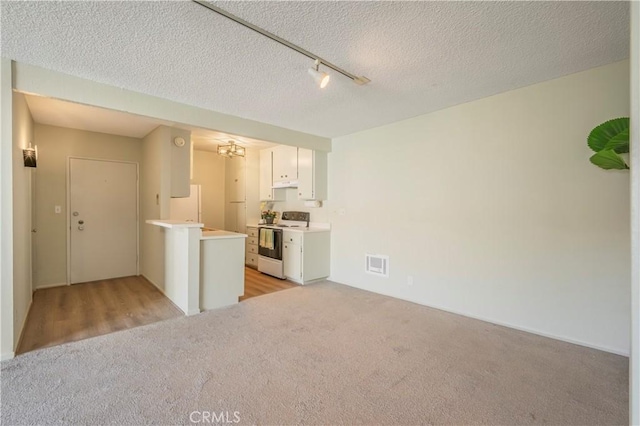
203, 270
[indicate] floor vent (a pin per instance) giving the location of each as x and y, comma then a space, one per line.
377, 264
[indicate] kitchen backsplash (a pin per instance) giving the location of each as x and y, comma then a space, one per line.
318, 214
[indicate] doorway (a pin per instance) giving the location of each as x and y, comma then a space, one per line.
103, 219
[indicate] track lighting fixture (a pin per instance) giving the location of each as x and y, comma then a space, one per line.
322, 78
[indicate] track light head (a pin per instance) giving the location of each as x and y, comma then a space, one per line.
321, 78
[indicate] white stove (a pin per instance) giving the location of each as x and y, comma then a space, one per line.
270, 242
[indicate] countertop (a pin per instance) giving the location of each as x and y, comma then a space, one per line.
220, 234
167, 223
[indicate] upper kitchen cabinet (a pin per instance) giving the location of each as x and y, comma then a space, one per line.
312, 174
285, 165
267, 193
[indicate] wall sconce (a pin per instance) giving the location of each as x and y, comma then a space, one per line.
30, 156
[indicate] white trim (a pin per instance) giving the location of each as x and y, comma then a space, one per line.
68, 171
7, 356
154, 284
6, 207
502, 323
40, 287
165, 294
24, 322
634, 362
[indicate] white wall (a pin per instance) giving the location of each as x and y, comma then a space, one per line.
154, 204
159, 171
495, 211
22, 135
55, 146
208, 171
6, 210
317, 214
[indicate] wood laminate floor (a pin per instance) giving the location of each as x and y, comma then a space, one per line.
69, 313
257, 284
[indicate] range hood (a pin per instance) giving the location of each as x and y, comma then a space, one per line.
285, 184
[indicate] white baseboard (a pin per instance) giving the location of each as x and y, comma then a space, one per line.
7, 355
165, 295
49, 286
24, 322
154, 284
504, 324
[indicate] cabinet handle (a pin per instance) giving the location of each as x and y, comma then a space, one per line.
299, 193
286, 246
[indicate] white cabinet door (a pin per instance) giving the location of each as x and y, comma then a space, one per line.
235, 217
292, 261
305, 174
235, 179
312, 175
285, 163
266, 175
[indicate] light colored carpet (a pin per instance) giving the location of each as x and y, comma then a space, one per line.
320, 354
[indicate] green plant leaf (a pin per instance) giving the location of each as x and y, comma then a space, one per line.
608, 159
614, 129
619, 143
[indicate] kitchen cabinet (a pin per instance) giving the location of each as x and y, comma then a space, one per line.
285, 164
305, 255
235, 180
251, 255
312, 174
235, 218
267, 193
291, 261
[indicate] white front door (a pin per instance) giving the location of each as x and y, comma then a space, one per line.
103, 208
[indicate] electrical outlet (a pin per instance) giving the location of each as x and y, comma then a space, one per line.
57, 209
410, 280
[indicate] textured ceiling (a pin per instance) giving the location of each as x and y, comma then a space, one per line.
83, 117
55, 112
420, 56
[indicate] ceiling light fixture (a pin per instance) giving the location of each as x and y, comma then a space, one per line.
322, 78
231, 150
359, 80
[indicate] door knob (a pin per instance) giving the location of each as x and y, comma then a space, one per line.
80, 228
81, 222
76, 213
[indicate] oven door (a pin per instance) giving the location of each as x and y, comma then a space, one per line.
276, 252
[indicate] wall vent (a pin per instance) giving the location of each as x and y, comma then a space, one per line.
377, 264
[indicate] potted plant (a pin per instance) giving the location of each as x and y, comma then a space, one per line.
268, 216
608, 140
